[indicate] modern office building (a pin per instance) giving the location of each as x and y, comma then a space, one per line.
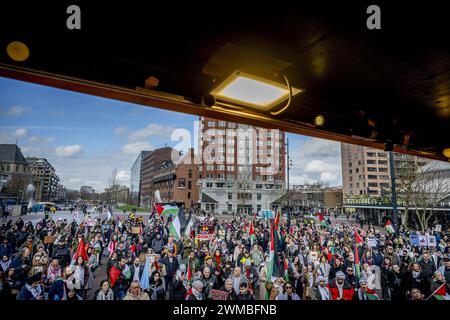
44, 172
242, 168
136, 177
149, 164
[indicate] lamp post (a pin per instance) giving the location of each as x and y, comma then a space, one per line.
394, 193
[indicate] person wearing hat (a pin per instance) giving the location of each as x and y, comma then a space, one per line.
340, 289
320, 290
196, 291
364, 293
33, 289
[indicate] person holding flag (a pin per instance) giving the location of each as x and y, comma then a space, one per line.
389, 227
364, 293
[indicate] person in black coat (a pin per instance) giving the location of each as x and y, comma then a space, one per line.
171, 264
228, 287
179, 289
415, 279
243, 293
136, 270
61, 252
397, 284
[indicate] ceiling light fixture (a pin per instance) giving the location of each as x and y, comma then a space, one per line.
319, 120
18, 51
446, 152
245, 90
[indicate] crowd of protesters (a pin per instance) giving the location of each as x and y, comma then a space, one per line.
56, 259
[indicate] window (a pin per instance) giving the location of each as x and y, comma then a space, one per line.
230, 176
373, 184
230, 196
351, 185
209, 184
189, 195
190, 173
190, 185
350, 171
384, 185
220, 185
221, 123
384, 177
230, 159
349, 164
210, 167
230, 168
371, 154
371, 169
231, 125
351, 178
258, 208
371, 162
181, 183
230, 207
357, 170
221, 167
211, 123
359, 162
382, 162
372, 177
258, 196
382, 169
357, 185
382, 154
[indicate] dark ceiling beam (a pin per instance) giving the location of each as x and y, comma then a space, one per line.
132, 96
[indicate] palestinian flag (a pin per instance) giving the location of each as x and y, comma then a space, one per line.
189, 273
440, 293
358, 239
165, 210
389, 227
277, 219
323, 222
286, 270
357, 263
251, 233
371, 295
175, 228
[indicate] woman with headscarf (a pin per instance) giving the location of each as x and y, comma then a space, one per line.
196, 291
156, 288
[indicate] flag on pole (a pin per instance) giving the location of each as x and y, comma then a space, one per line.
109, 214
323, 222
165, 210
358, 238
144, 282
389, 227
371, 295
440, 293
175, 228
286, 270
357, 263
277, 219
271, 257
251, 233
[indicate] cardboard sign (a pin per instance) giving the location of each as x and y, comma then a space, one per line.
49, 239
136, 230
372, 242
218, 295
438, 228
414, 240
431, 241
423, 241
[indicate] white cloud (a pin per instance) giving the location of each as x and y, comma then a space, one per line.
316, 160
68, 151
33, 139
320, 166
20, 133
123, 176
328, 176
120, 130
43, 140
153, 129
14, 111
135, 147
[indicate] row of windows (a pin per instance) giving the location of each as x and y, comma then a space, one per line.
243, 186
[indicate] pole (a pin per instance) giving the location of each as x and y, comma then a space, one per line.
394, 193
288, 169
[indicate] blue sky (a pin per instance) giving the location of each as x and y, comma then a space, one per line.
86, 137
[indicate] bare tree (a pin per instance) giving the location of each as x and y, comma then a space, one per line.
16, 186
431, 186
113, 184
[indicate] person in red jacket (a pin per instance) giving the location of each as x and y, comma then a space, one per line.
340, 289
